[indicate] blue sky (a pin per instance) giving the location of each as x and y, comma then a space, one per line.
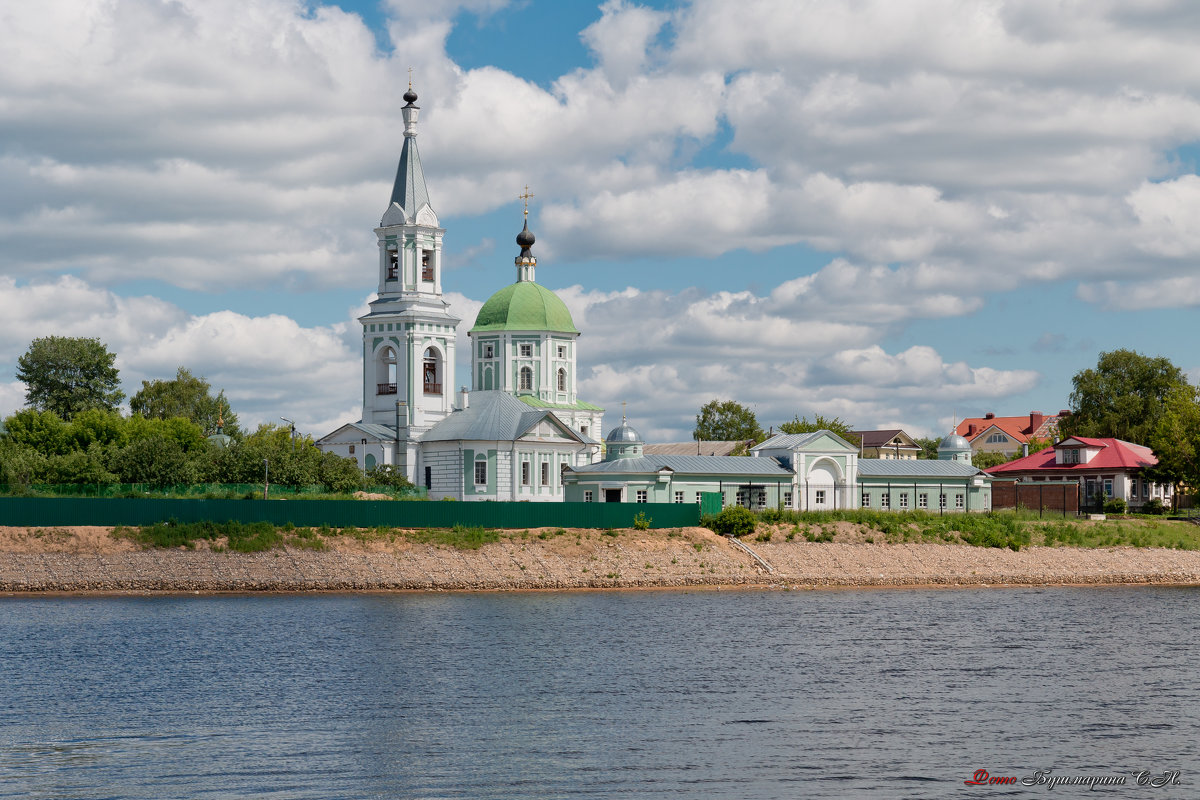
892, 213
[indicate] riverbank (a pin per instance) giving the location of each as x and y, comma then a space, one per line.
96, 560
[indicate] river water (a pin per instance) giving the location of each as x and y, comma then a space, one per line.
705, 694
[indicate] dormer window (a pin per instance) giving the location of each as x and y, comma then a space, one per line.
427, 265
1071, 455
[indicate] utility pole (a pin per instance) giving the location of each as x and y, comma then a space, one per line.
292, 427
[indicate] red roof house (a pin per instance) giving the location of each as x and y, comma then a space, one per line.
1111, 466
992, 434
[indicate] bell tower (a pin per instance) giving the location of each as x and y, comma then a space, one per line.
409, 333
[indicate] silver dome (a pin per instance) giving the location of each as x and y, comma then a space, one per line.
954, 442
623, 434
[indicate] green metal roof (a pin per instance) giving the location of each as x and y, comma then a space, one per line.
579, 405
524, 306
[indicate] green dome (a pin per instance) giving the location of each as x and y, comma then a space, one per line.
524, 306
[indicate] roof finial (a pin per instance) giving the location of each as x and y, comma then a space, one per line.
525, 197
622, 412
410, 77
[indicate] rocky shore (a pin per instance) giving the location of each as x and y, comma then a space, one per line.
93, 560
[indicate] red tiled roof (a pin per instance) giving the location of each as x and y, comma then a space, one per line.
1114, 455
1018, 428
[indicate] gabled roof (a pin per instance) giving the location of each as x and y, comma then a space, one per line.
368, 430
884, 438
739, 466
496, 416
792, 441
1019, 429
1114, 455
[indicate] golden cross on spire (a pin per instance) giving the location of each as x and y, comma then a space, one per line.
525, 197
410, 77
622, 411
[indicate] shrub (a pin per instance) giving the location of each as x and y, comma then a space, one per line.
734, 521
1114, 505
1154, 506
641, 521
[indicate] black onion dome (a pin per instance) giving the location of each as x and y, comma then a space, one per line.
526, 238
410, 96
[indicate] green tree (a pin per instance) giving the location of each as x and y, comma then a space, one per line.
986, 460
929, 448
1125, 397
189, 397
819, 423
41, 431
726, 422
67, 375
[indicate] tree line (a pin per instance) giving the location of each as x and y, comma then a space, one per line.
178, 431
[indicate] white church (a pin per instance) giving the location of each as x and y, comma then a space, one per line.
522, 425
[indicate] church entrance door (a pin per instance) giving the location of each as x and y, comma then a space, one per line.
612, 495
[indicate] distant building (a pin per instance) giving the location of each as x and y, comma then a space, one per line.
1101, 467
1008, 435
807, 471
890, 445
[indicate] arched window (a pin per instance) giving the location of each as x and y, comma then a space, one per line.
562, 380
526, 382
433, 379
387, 371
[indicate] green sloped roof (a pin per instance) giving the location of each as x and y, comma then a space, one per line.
524, 306
536, 402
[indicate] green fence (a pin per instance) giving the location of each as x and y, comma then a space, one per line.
52, 511
189, 490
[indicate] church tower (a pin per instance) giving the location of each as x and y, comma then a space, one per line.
409, 334
524, 342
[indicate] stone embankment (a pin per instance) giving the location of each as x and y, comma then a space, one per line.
92, 560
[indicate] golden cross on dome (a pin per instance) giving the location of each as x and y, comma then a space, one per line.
410, 77
525, 197
622, 411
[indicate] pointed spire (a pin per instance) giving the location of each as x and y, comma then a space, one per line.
409, 191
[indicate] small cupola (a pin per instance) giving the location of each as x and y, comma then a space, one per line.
526, 261
622, 442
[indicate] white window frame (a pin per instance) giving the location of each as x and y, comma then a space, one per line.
941, 501
587, 495
820, 498
679, 497
525, 349
960, 500
481, 461
787, 499
545, 473
562, 351
525, 379
641, 495
866, 499
923, 500
489, 350
885, 501
739, 498
526, 473
903, 501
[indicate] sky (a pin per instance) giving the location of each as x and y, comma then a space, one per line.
894, 213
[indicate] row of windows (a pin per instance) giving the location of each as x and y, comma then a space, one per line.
525, 379
524, 350
481, 475
997, 438
885, 500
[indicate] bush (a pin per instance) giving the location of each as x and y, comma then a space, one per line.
1154, 506
1114, 505
734, 521
641, 522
